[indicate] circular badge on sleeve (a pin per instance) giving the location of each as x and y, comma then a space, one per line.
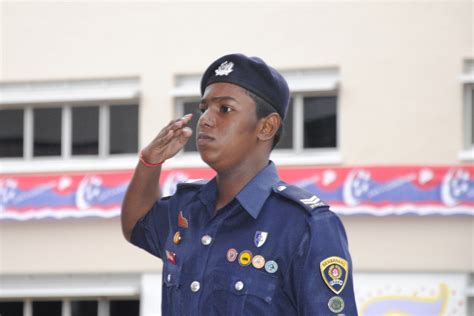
336, 304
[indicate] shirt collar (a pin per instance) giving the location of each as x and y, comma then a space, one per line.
255, 193
252, 196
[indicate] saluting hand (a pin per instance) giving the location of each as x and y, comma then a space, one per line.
169, 141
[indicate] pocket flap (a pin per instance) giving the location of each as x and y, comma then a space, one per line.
171, 274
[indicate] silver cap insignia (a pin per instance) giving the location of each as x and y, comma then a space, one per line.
225, 68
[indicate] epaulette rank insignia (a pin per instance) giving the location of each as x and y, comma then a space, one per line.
300, 196
193, 183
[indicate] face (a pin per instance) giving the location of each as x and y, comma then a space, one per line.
227, 129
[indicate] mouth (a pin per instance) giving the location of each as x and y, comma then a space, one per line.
204, 139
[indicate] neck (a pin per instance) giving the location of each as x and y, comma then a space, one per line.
231, 182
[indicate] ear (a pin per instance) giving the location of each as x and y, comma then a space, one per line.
268, 126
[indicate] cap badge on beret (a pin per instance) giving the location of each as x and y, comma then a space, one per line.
225, 68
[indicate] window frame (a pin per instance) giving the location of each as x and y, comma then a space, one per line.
67, 161
104, 92
66, 130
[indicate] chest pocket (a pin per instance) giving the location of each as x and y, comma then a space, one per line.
171, 289
246, 291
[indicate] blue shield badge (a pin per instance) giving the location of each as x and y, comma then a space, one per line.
260, 238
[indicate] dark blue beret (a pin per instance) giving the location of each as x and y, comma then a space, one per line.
252, 74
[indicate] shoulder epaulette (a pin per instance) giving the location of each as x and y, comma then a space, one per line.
193, 183
307, 200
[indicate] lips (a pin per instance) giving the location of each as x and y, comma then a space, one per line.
204, 139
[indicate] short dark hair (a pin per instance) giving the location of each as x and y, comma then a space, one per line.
263, 109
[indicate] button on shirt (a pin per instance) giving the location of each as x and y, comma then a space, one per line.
268, 218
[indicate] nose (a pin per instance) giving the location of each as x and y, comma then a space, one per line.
207, 119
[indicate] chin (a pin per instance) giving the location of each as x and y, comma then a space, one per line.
207, 157
212, 160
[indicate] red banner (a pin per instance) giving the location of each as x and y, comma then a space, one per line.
420, 190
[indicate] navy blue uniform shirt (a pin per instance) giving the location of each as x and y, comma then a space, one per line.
274, 250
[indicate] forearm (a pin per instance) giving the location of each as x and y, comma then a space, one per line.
141, 194
143, 190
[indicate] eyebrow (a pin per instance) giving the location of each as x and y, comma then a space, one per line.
223, 98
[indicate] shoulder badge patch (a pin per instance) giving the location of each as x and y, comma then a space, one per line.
334, 271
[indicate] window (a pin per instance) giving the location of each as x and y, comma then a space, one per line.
85, 130
47, 308
471, 125
467, 79
316, 122
11, 133
191, 107
47, 132
123, 135
69, 131
79, 308
320, 119
124, 308
11, 308
59, 307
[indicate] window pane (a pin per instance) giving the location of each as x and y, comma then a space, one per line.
192, 107
81, 308
47, 308
85, 130
124, 308
47, 132
320, 119
11, 133
286, 140
11, 308
123, 129
472, 117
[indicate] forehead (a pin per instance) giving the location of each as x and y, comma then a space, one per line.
224, 89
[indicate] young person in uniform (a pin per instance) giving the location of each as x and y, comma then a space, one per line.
245, 242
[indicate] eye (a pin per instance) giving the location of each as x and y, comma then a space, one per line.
202, 108
225, 109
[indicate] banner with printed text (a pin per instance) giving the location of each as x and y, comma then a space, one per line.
417, 190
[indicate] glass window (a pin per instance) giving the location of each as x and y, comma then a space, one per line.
320, 119
11, 308
286, 140
47, 132
123, 129
11, 133
125, 308
472, 117
47, 308
85, 130
192, 107
81, 308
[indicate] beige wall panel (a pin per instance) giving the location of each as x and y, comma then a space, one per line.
70, 246
411, 243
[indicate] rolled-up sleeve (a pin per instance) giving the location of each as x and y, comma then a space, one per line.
151, 231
